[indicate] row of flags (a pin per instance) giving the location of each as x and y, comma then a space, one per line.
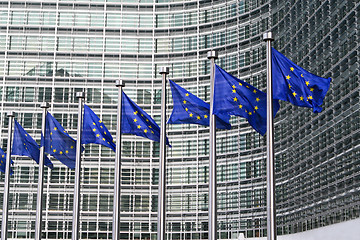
232, 96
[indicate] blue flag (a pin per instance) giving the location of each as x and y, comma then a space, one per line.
58, 142
136, 121
94, 131
235, 97
188, 108
294, 84
3, 162
25, 145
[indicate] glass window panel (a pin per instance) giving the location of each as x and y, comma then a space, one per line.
16, 42
97, 19
66, 19
34, 18
3, 17
18, 18
112, 44
130, 20
80, 44
65, 43
96, 45
32, 43
81, 19
113, 20
49, 18
95, 70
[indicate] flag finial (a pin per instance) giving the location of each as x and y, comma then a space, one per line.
164, 70
212, 54
268, 36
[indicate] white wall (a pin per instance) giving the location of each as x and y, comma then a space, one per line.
349, 230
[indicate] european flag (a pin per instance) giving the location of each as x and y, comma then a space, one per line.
25, 145
58, 142
294, 84
235, 97
188, 108
136, 121
3, 162
94, 131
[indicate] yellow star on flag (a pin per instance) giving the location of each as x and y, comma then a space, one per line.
240, 106
235, 99
292, 69
184, 102
136, 112
191, 114
145, 130
257, 99
301, 98
288, 77
294, 93
254, 91
307, 83
198, 117
187, 94
205, 116
138, 126
256, 108
135, 120
311, 89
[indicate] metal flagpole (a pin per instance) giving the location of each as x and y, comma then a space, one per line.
117, 178
212, 55
4, 224
40, 189
270, 169
161, 221
76, 208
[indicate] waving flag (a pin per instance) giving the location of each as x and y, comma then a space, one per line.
94, 131
296, 85
235, 97
188, 108
58, 142
136, 121
3, 162
25, 145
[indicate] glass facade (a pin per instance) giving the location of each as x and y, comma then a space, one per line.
51, 49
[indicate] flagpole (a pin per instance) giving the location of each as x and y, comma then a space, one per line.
161, 221
40, 189
76, 208
212, 55
117, 178
4, 224
270, 169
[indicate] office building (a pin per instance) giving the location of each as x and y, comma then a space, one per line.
51, 49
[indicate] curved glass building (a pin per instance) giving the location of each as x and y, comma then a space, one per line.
51, 49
